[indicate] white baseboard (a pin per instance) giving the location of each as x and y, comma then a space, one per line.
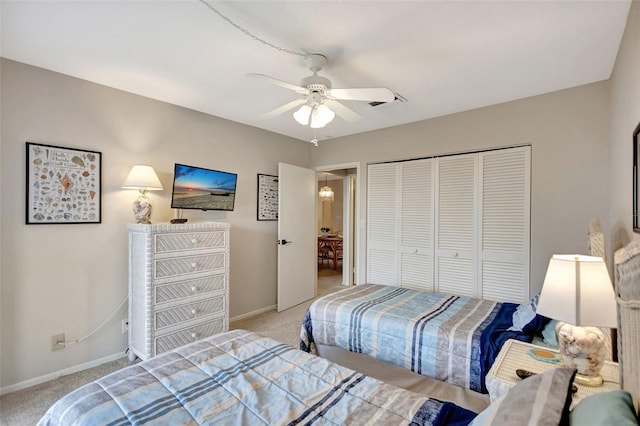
57, 374
253, 314
52, 376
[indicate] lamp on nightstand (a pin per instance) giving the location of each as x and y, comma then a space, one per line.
142, 178
577, 291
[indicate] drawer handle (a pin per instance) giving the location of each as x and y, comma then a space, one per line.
415, 251
455, 254
194, 266
194, 311
194, 336
194, 289
194, 241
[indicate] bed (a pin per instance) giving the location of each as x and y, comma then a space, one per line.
449, 338
243, 378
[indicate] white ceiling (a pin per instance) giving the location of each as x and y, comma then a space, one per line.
442, 56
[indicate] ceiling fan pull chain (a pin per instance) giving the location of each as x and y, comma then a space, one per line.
249, 34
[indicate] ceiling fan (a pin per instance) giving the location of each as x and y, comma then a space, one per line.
319, 101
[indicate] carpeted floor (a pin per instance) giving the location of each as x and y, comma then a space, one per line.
285, 326
26, 407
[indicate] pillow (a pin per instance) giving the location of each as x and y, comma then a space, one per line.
543, 399
604, 408
536, 325
549, 336
524, 314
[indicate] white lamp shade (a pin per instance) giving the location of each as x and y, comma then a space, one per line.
142, 177
577, 289
321, 116
316, 116
302, 115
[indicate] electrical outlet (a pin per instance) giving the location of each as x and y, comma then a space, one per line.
56, 340
125, 326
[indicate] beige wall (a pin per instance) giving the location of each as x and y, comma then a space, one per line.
625, 115
70, 278
569, 135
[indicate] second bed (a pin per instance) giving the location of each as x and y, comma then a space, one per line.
450, 338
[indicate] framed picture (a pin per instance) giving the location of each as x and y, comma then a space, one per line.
267, 197
636, 190
64, 185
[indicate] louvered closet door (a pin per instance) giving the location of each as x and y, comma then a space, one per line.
416, 224
456, 225
505, 224
382, 224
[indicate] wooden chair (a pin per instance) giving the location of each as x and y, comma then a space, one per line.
339, 249
324, 255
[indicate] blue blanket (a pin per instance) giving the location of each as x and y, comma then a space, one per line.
446, 337
242, 378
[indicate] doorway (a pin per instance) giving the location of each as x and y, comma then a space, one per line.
336, 228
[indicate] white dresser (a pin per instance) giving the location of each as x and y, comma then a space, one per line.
178, 285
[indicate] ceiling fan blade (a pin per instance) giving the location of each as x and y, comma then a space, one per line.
345, 113
296, 88
379, 94
282, 109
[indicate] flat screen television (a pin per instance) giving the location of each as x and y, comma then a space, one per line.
203, 189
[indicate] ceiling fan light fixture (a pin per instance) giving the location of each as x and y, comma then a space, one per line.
321, 116
303, 115
325, 113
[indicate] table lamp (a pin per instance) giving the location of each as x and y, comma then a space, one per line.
142, 178
577, 291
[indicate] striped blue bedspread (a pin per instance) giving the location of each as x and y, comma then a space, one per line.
242, 378
446, 337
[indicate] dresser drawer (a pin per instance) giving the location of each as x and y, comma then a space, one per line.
176, 266
171, 341
181, 290
190, 311
170, 242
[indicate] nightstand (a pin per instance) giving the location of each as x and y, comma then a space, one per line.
514, 355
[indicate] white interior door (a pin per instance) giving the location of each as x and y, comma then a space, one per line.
297, 240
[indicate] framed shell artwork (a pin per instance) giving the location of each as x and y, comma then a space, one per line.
64, 185
267, 197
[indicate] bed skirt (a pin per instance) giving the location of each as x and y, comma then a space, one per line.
406, 379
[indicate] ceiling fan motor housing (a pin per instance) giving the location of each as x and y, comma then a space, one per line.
315, 83
314, 98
